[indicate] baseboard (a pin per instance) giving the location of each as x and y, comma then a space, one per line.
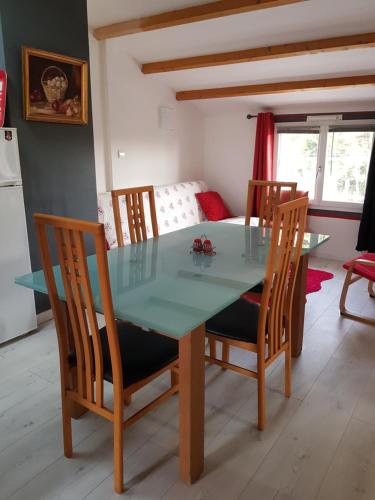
321, 254
43, 317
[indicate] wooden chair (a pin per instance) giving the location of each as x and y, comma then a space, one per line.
135, 212
270, 194
265, 328
120, 353
361, 267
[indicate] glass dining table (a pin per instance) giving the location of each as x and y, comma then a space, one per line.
161, 284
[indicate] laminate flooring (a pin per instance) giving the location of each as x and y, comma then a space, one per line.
319, 444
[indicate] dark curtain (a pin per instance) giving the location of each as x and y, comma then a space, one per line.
366, 235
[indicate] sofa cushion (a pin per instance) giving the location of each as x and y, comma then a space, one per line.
254, 221
176, 208
213, 206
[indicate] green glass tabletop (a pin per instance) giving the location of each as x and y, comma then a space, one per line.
160, 284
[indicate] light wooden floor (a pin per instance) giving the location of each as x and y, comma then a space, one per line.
320, 444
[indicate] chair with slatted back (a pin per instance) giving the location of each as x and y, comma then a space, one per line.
120, 353
268, 195
135, 212
265, 328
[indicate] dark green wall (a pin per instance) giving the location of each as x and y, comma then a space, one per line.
57, 160
2, 56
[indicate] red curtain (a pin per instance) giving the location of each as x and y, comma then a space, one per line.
263, 154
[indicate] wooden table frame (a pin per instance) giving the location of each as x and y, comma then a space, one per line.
192, 384
191, 381
298, 308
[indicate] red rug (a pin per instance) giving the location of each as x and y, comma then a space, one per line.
315, 278
313, 284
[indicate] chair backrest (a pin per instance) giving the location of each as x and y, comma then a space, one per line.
136, 214
76, 324
286, 193
282, 265
267, 195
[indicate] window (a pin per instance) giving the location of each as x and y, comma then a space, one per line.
329, 161
346, 165
297, 158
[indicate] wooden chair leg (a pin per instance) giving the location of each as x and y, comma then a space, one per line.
261, 395
67, 427
174, 378
288, 371
344, 311
118, 458
344, 292
212, 344
371, 290
127, 400
225, 353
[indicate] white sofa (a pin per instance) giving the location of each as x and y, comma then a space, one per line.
176, 208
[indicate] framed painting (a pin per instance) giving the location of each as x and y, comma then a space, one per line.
54, 87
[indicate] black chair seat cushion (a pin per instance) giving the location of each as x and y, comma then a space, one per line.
239, 321
142, 352
257, 288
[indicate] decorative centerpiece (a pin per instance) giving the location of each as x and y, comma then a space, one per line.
203, 245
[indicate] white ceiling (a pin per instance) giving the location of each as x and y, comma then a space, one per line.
113, 11
362, 61
303, 21
322, 101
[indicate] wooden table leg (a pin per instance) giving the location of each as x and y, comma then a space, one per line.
298, 308
191, 380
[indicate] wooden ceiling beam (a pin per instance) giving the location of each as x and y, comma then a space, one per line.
276, 88
187, 15
263, 53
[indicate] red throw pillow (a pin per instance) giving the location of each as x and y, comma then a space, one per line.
213, 206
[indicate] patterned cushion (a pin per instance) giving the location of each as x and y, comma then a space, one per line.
176, 208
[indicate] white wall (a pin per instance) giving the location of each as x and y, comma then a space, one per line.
343, 233
228, 156
98, 111
126, 118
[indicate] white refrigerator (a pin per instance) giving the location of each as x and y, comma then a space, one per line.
17, 306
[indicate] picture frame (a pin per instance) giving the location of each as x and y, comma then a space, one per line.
55, 87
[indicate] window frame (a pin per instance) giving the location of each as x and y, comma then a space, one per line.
317, 202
